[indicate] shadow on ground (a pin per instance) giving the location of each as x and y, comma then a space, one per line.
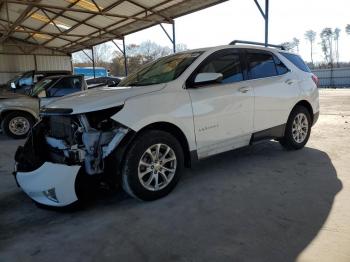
256, 204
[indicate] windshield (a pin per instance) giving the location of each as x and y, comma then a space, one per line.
162, 70
41, 86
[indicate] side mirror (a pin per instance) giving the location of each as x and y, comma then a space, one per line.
111, 83
208, 78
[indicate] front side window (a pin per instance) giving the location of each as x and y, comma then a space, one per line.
41, 86
227, 64
162, 70
261, 65
65, 85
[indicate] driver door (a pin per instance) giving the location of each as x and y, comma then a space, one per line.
222, 111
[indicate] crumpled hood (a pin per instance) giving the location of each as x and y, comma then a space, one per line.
100, 98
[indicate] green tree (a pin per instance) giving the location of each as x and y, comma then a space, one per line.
310, 35
327, 36
296, 43
336, 36
347, 29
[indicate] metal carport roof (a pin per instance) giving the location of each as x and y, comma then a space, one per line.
72, 25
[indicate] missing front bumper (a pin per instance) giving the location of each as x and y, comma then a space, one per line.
51, 184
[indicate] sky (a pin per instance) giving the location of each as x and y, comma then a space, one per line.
240, 19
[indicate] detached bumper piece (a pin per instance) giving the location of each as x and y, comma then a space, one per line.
51, 184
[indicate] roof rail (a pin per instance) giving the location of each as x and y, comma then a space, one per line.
256, 43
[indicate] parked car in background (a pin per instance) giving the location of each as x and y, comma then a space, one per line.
88, 71
173, 111
18, 112
110, 81
24, 82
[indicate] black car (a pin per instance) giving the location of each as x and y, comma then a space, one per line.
103, 81
24, 82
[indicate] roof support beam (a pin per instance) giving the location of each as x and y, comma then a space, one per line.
32, 31
123, 51
151, 10
265, 15
55, 17
111, 31
23, 16
103, 13
172, 39
50, 21
106, 9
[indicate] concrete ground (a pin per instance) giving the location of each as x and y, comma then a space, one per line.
261, 203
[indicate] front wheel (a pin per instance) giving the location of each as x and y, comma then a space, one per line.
297, 130
152, 165
17, 124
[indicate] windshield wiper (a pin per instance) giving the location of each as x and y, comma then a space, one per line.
141, 84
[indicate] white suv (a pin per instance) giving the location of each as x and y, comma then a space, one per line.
173, 111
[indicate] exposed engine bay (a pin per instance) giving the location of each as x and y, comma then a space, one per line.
83, 139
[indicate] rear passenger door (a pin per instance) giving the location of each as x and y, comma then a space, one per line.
275, 88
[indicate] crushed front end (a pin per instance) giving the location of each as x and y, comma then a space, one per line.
61, 146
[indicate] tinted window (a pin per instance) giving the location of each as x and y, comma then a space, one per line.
260, 65
297, 61
65, 86
26, 79
280, 67
227, 64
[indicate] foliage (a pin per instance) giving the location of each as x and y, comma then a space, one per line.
347, 29
310, 36
137, 55
327, 36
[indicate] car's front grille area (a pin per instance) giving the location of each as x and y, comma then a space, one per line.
61, 127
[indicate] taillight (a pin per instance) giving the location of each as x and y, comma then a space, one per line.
316, 80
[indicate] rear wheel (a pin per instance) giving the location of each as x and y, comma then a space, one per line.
17, 124
298, 129
152, 165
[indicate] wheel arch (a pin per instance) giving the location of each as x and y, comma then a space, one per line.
308, 106
4, 113
176, 132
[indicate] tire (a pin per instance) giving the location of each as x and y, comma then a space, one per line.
144, 148
23, 119
298, 129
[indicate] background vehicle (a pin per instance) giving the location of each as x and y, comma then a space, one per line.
23, 83
173, 111
18, 112
110, 81
88, 72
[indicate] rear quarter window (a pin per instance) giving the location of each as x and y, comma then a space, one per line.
297, 61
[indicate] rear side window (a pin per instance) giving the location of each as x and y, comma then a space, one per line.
280, 67
261, 65
228, 64
297, 61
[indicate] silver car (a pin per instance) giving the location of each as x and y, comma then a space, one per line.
18, 112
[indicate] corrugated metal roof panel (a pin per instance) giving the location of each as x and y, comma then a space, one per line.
83, 17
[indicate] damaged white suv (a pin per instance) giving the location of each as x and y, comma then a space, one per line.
173, 111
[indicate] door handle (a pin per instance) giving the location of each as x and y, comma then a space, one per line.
244, 89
